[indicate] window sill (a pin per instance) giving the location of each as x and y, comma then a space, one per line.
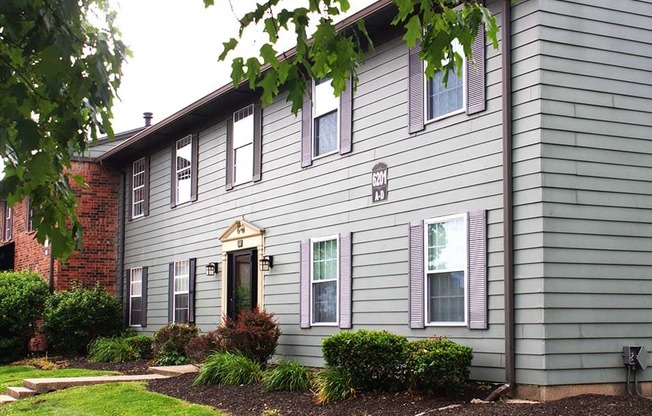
447, 324
325, 324
445, 116
333, 152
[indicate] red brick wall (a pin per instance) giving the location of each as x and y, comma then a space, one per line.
29, 254
98, 214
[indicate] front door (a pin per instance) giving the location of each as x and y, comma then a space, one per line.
242, 282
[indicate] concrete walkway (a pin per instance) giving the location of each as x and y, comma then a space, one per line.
33, 386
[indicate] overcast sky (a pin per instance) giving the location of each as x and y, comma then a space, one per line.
175, 46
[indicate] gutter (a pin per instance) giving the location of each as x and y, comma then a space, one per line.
508, 201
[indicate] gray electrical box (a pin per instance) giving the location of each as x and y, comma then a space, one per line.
636, 355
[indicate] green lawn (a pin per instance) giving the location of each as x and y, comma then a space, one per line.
124, 399
12, 376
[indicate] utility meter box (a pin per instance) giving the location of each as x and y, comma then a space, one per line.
636, 355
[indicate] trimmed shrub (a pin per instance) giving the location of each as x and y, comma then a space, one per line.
254, 334
286, 375
228, 368
198, 349
169, 343
333, 385
22, 299
112, 350
375, 360
75, 317
142, 344
438, 365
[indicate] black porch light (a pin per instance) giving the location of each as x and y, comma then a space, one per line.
266, 263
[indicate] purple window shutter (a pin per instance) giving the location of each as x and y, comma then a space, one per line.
194, 167
146, 188
173, 178
258, 142
171, 293
143, 314
191, 290
416, 309
130, 189
416, 101
346, 118
475, 75
478, 270
306, 127
346, 283
127, 294
304, 284
229, 153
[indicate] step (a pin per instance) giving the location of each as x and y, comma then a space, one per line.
44, 385
20, 392
6, 399
174, 370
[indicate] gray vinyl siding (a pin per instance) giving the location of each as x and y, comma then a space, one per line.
451, 167
594, 165
527, 196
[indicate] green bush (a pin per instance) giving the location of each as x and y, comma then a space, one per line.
127, 347
286, 375
254, 334
198, 349
75, 317
22, 299
169, 343
142, 344
375, 360
228, 368
333, 385
112, 350
438, 365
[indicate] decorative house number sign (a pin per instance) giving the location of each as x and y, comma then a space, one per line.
379, 183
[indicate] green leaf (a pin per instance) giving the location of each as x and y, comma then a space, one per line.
228, 47
412, 31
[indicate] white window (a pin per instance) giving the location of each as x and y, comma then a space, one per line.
183, 169
181, 286
446, 270
243, 145
445, 100
7, 225
138, 188
135, 296
325, 118
324, 280
29, 221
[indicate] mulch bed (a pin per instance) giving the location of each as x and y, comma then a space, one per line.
252, 401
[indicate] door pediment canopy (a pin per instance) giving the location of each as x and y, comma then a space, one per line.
241, 230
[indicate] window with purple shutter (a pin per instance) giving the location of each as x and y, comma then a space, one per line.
442, 100
448, 271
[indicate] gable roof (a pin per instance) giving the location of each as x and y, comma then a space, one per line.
220, 102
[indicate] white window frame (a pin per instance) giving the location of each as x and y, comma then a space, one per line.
29, 215
244, 115
426, 103
132, 273
177, 264
141, 202
8, 223
465, 269
315, 115
186, 198
337, 281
